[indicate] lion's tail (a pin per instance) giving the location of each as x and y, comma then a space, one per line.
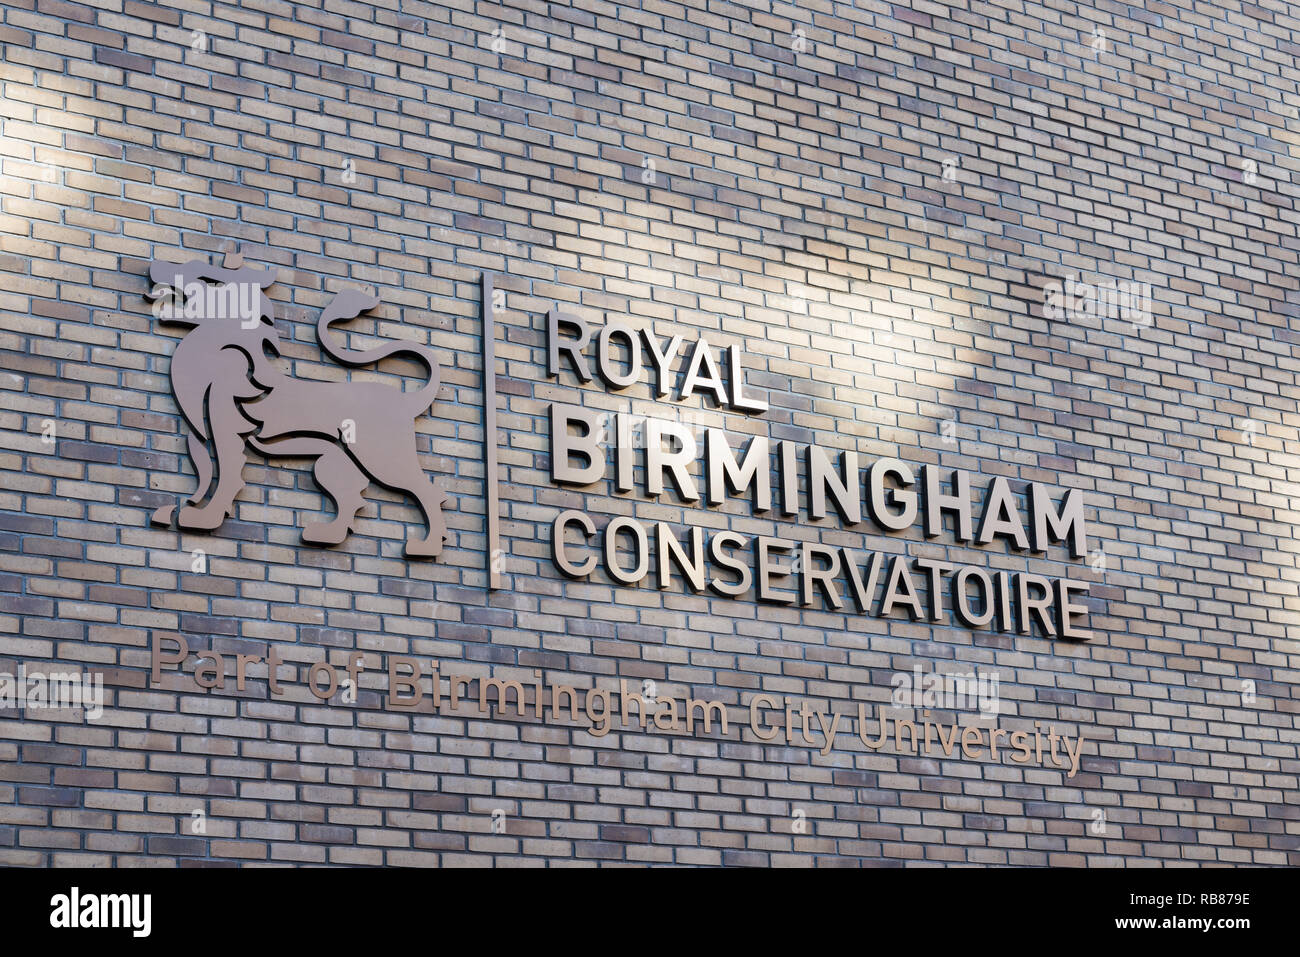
348, 305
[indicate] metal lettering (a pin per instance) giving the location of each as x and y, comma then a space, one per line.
702, 373
657, 461
904, 496
669, 550
1000, 516
766, 569
641, 548
605, 363
565, 446
570, 347
662, 361
717, 544
845, 487
559, 547
1048, 524
739, 400
724, 475
936, 503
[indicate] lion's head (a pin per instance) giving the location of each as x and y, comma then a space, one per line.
225, 300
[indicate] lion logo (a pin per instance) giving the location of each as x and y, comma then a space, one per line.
233, 396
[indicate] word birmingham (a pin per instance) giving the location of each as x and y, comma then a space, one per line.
887, 492
75, 910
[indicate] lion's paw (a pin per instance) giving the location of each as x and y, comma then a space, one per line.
430, 547
201, 519
324, 533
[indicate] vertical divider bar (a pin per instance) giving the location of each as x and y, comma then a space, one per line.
491, 477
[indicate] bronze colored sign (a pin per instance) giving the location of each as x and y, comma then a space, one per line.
590, 446
233, 396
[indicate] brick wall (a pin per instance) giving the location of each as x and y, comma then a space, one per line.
874, 198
